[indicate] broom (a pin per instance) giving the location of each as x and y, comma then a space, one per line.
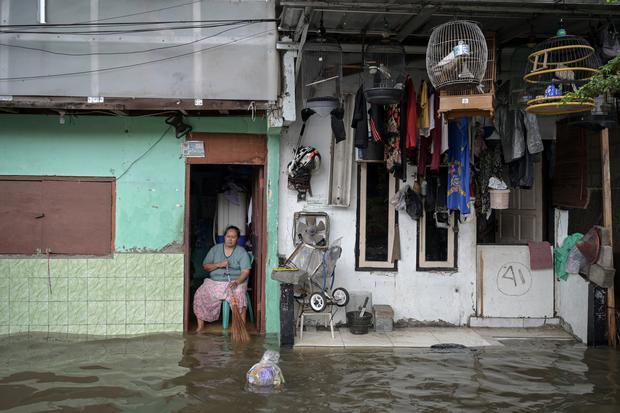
239, 332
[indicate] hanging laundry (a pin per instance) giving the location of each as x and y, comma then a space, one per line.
337, 117
392, 153
489, 164
534, 138
412, 114
359, 121
458, 174
423, 153
444, 133
424, 122
436, 134
377, 122
403, 108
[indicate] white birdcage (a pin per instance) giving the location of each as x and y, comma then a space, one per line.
384, 73
321, 74
456, 56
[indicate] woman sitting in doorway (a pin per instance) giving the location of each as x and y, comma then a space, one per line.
228, 265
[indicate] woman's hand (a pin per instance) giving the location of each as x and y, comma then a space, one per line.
222, 264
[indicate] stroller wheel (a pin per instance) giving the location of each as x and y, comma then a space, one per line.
317, 302
341, 297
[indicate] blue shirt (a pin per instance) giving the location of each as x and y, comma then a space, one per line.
238, 261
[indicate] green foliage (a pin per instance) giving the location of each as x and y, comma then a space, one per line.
607, 81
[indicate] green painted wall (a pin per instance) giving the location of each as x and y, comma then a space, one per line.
272, 287
150, 185
124, 294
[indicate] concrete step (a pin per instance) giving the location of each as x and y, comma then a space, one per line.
513, 322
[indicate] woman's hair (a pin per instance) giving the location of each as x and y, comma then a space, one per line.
233, 228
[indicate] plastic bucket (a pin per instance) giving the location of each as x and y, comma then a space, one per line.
500, 198
357, 324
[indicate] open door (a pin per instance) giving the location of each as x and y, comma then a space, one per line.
259, 240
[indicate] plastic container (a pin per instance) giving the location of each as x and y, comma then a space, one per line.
500, 198
357, 324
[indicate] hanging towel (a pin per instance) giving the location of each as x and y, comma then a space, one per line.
540, 255
458, 174
412, 115
359, 121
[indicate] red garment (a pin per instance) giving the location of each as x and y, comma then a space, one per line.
436, 135
412, 115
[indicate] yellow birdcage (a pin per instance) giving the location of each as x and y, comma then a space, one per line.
557, 66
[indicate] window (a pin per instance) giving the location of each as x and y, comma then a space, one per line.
61, 215
376, 218
436, 238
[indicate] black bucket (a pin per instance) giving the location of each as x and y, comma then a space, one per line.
357, 324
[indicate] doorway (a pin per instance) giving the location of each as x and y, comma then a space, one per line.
227, 182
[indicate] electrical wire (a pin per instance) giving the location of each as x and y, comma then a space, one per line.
129, 31
146, 12
121, 53
145, 153
105, 69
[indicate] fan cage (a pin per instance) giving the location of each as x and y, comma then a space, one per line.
321, 74
456, 55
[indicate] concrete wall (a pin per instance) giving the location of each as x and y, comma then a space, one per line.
420, 295
159, 64
571, 303
571, 296
510, 287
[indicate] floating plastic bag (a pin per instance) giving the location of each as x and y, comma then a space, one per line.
265, 376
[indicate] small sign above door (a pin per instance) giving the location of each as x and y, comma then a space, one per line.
193, 149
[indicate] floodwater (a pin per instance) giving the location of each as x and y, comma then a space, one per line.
176, 373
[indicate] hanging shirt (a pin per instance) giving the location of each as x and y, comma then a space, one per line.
392, 153
458, 174
424, 122
412, 115
359, 121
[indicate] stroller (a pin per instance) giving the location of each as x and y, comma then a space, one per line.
315, 288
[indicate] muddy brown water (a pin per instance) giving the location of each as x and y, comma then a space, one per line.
176, 373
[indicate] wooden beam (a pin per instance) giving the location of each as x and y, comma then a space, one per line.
607, 223
415, 23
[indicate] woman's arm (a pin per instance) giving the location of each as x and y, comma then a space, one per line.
214, 266
243, 276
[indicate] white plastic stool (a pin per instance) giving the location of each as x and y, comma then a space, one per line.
327, 316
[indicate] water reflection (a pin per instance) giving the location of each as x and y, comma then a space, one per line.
169, 372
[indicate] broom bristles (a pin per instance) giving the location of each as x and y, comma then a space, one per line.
239, 331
